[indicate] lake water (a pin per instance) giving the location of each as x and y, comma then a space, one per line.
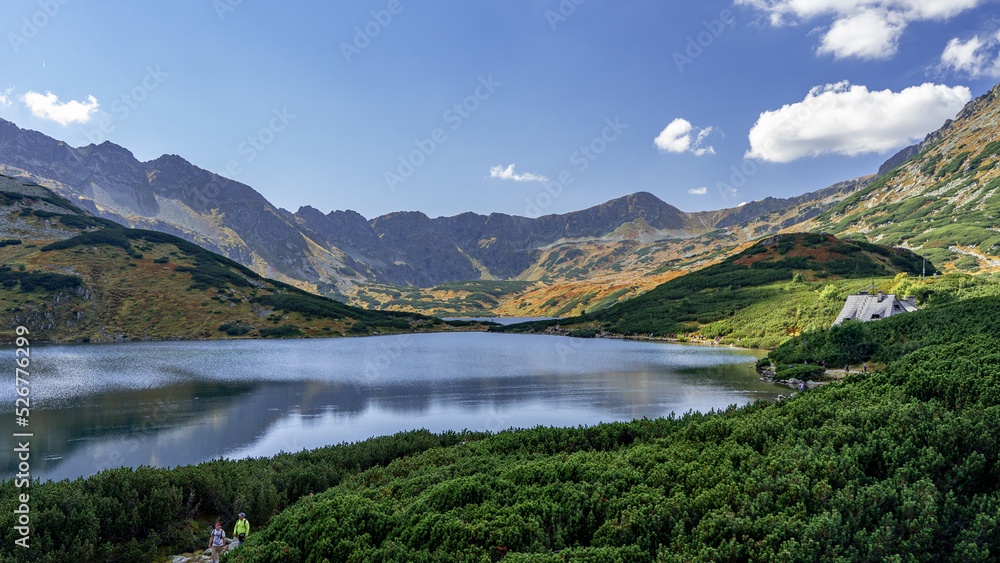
175, 403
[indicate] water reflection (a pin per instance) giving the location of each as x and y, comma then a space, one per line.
167, 404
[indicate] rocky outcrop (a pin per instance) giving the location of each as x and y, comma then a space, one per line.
971, 109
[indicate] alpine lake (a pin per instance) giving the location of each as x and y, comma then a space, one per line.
164, 404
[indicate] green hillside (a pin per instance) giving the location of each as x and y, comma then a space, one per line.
890, 339
901, 464
68, 276
779, 287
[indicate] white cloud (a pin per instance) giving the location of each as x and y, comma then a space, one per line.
48, 106
974, 57
698, 191
869, 34
865, 29
680, 136
509, 174
5, 97
850, 120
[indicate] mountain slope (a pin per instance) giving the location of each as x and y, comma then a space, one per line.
69, 276
780, 286
943, 202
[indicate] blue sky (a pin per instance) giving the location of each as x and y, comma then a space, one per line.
393, 105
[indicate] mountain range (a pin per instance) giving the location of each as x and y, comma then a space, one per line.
566, 264
169, 194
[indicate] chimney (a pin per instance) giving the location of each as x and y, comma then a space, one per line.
880, 296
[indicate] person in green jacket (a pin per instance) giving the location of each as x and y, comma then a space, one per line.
242, 529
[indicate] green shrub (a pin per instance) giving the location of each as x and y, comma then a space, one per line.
360, 328
284, 331
38, 281
236, 330
809, 372
954, 166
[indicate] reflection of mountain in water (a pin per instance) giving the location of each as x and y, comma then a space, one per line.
189, 423
167, 404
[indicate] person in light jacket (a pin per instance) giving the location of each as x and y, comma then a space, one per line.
241, 529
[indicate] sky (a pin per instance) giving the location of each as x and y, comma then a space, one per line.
521, 107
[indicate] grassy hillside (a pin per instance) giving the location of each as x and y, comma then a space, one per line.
759, 297
899, 465
69, 276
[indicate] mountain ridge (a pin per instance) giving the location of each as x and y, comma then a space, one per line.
341, 248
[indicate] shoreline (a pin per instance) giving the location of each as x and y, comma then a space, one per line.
680, 341
474, 328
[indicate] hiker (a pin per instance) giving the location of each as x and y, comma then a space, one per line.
241, 529
801, 386
866, 368
217, 542
847, 368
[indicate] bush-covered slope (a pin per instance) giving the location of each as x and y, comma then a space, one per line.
125, 515
776, 281
898, 466
890, 339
